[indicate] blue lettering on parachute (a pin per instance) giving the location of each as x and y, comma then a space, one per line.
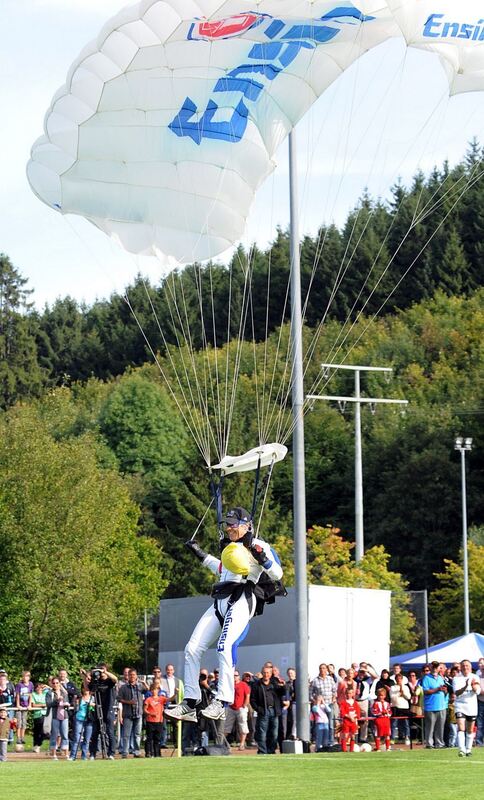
437, 28
266, 60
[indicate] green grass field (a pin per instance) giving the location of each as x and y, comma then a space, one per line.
396, 775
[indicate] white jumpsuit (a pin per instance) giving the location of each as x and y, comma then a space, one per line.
236, 618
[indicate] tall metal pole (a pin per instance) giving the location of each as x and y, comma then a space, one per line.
426, 624
299, 489
464, 541
464, 445
358, 399
359, 534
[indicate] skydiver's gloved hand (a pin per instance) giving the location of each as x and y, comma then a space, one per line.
195, 548
260, 556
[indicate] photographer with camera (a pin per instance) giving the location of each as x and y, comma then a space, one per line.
102, 685
131, 698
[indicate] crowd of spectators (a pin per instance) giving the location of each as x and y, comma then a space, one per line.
350, 708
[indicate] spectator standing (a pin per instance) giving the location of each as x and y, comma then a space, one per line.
7, 697
236, 714
281, 735
435, 705
363, 686
323, 684
382, 711
350, 713
321, 713
58, 701
465, 687
452, 739
214, 681
397, 670
199, 736
400, 702
103, 687
173, 687
266, 700
383, 682
131, 698
23, 693
416, 704
251, 717
291, 725
39, 706
480, 705
153, 707
73, 694
4, 731
345, 682
84, 718
416, 695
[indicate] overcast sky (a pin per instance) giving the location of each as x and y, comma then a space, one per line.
386, 117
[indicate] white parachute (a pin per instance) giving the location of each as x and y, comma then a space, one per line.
168, 123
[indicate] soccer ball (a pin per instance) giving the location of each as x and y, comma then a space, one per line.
19, 748
365, 748
236, 558
356, 748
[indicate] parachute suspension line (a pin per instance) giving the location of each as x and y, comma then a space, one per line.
417, 217
273, 407
217, 498
263, 492
170, 292
216, 395
188, 342
189, 401
423, 248
185, 412
254, 356
341, 273
202, 519
375, 315
227, 354
256, 488
192, 430
208, 390
339, 279
238, 353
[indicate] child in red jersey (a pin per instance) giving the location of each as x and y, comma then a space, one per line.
382, 711
350, 713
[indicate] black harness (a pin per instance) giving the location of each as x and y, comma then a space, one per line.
265, 591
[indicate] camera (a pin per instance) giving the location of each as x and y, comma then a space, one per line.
96, 674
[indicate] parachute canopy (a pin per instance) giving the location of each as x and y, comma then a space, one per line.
169, 121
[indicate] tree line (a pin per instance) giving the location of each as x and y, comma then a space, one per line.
386, 257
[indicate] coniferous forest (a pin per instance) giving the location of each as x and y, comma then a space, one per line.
95, 458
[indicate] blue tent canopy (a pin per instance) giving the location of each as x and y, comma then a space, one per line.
470, 646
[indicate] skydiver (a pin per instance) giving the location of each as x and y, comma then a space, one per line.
237, 597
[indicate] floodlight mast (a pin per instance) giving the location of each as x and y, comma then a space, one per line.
358, 399
464, 445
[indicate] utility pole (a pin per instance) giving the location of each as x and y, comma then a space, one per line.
299, 483
358, 399
464, 446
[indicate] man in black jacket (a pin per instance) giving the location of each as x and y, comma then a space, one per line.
266, 699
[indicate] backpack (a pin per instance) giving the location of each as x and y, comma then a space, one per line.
266, 590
